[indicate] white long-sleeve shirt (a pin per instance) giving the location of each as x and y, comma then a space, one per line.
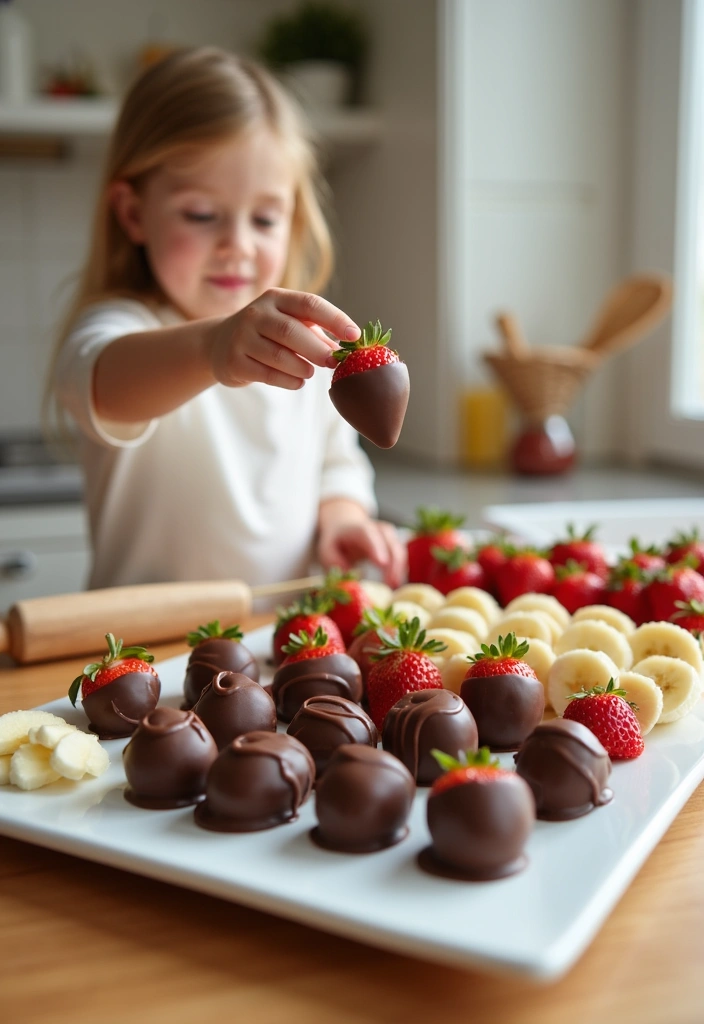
226, 486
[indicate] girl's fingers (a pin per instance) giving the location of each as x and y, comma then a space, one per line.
263, 373
295, 337
308, 307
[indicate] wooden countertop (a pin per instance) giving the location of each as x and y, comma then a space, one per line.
84, 943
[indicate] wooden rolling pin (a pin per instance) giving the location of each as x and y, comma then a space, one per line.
67, 625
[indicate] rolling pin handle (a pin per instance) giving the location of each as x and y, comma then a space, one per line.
4, 638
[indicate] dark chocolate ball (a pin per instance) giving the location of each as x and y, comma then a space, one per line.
325, 723
233, 704
217, 654
505, 708
428, 720
479, 828
167, 760
116, 709
362, 800
566, 767
332, 675
256, 782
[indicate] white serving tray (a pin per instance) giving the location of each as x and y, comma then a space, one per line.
535, 924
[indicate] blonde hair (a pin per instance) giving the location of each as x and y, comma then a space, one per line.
190, 99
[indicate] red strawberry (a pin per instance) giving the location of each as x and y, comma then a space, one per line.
367, 641
117, 662
610, 717
403, 666
687, 545
676, 583
305, 614
649, 559
576, 586
689, 615
582, 549
626, 591
347, 601
491, 557
303, 646
470, 767
501, 659
453, 568
433, 528
368, 352
525, 571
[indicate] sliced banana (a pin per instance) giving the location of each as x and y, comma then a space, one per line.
78, 753
30, 767
407, 610
540, 603
680, 683
420, 593
5, 769
473, 597
646, 695
15, 726
576, 670
669, 639
605, 613
456, 641
49, 735
593, 635
540, 656
527, 624
380, 594
453, 670
465, 619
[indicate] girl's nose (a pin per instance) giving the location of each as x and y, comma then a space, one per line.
236, 237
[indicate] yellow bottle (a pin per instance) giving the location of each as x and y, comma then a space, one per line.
484, 423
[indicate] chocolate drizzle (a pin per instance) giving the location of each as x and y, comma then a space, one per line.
424, 721
217, 654
325, 723
332, 675
233, 704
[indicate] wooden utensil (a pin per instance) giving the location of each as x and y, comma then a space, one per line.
67, 625
630, 310
514, 339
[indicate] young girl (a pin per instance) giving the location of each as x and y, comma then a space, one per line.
193, 364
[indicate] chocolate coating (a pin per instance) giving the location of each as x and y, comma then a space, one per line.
116, 709
505, 708
333, 674
428, 720
323, 724
218, 654
374, 402
364, 646
362, 800
233, 704
479, 829
567, 768
256, 782
167, 760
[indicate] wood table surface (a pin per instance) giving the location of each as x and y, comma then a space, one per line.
80, 942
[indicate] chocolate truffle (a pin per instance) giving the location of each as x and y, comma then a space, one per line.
566, 767
428, 720
374, 402
167, 760
217, 654
256, 782
323, 724
116, 709
233, 704
479, 828
506, 708
332, 675
362, 800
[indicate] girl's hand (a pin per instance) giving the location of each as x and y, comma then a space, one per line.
276, 339
347, 535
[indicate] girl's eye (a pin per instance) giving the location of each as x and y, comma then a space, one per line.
198, 218
265, 222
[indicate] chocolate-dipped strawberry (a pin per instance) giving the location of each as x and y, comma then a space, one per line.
215, 650
167, 760
233, 704
118, 691
424, 721
309, 612
503, 693
322, 724
370, 386
479, 817
313, 667
366, 641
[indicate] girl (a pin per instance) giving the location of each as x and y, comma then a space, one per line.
192, 362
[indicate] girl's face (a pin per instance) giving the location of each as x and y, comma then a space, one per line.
215, 227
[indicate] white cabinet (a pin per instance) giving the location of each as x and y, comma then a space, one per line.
43, 550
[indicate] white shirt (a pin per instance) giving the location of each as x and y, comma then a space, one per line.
226, 486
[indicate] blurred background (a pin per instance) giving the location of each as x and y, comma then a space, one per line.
522, 157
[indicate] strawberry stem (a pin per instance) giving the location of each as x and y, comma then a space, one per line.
505, 647
213, 629
467, 759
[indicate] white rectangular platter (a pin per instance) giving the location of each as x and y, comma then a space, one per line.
535, 924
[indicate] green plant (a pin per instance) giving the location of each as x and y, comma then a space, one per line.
315, 31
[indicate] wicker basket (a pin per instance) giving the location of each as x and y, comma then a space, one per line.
544, 381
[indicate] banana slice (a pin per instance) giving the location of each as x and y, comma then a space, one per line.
453, 670
407, 610
473, 597
380, 594
680, 683
669, 639
540, 603
576, 670
456, 641
605, 613
540, 656
597, 636
78, 753
30, 767
15, 726
527, 624
420, 593
49, 735
646, 694
464, 619
5, 769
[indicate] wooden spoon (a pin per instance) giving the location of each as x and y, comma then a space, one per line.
631, 310
514, 339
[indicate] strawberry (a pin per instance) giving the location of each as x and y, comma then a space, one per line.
491, 557
610, 717
583, 549
347, 601
684, 545
649, 559
402, 666
575, 586
455, 567
689, 615
676, 583
368, 352
307, 614
367, 641
501, 659
469, 767
117, 662
524, 571
303, 646
626, 591
433, 528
